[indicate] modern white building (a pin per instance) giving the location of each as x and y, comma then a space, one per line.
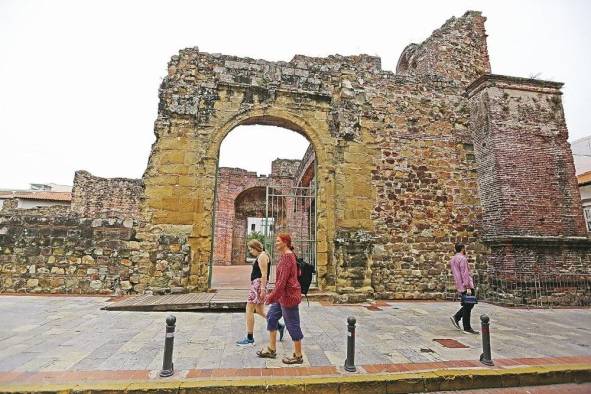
581, 149
50, 187
258, 225
585, 189
39, 195
582, 154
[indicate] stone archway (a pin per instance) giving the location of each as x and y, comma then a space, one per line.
197, 110
295, 122
201, 179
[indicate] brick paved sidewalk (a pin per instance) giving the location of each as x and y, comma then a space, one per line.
501, 365
401, 378
49, 339
584, 388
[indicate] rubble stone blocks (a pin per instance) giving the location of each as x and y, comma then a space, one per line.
58, 250
100, 197
407, 164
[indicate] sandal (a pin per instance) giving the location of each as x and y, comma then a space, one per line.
269, 353
293, 360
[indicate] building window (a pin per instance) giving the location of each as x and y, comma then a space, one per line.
252, 227
587, 211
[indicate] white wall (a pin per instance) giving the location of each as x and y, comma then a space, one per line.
259, 225
585, 194
586, 200
582, 154
28, 204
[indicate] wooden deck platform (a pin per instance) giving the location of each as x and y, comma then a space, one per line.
222, 300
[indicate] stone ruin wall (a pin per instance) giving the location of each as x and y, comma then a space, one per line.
408, 164
456, 51
426, 192
91, 247
106, 197
396, 168
284, 168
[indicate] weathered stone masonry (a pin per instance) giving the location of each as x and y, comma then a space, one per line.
88, 250
100, 197
407, 164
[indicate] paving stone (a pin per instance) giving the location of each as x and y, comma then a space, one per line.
135, 340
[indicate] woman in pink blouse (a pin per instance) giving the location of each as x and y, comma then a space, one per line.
285, 299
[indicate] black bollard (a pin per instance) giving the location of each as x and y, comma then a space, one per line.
350, 361
485, 357
167, 364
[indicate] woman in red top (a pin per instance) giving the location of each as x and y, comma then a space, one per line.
285, 300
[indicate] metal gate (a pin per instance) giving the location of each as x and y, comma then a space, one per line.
291, 210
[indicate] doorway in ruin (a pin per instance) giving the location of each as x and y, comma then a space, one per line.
265, 184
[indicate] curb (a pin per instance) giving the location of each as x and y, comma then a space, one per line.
436, 380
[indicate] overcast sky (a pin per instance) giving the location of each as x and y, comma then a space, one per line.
79, 79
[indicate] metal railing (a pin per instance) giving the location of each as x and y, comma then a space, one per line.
532, 289
291, 210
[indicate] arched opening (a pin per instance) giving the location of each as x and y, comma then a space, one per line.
265, 184
251, 219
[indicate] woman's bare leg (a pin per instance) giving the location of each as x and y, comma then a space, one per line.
260, 310
250, 318
297, 348
273, 340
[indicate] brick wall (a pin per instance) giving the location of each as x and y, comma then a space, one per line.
241, 194
236, 191
532, 217
249, 203
306, 169
526, 169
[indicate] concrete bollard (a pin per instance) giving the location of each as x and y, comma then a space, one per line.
167, 364
350, 361
485, 357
